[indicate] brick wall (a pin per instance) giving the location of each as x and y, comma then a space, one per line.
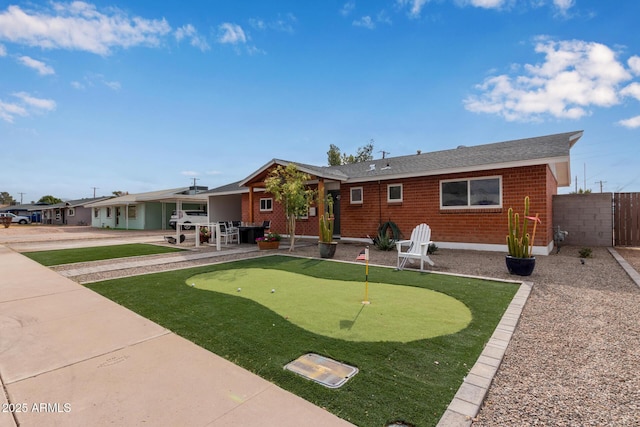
304, 227
587, 217
421, 203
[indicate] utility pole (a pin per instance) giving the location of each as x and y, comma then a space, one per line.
194, 182
384, 153
94, 191
21, 194
601, 183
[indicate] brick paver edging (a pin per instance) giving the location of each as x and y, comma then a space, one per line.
467, 402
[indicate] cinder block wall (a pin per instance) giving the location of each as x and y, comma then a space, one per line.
587, 217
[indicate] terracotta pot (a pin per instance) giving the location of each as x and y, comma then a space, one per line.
520, 266
268, 245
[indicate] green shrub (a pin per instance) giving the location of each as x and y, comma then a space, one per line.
585, 253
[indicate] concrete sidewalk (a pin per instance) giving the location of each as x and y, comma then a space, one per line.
69, 356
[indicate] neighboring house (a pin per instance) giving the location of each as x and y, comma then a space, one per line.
32, 210
462, 193
225, 202
71, 212
146, 211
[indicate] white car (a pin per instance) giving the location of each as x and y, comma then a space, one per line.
188, 217
16, 218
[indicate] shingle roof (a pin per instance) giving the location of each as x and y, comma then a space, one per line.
539, 150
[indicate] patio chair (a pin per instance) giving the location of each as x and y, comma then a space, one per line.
229, 233
416, 248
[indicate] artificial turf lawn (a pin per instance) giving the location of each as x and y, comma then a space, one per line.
69, 256
334, 307
412, 381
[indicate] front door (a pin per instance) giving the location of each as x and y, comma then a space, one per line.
118, 213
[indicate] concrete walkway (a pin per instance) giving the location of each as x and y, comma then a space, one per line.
70, 357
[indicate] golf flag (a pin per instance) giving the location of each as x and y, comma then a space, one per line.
361, 255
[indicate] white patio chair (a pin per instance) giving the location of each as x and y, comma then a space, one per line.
228, 233
416, 247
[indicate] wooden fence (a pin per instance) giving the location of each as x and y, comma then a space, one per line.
626, 219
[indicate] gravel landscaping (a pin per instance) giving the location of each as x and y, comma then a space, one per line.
574, 357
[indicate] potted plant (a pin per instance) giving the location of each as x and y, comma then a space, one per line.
270, 241
326, 245
520, 260
205, 235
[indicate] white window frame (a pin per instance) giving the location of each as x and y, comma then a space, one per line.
267, 201
352, 199
389, 199
71, 212
96, 212
468, 205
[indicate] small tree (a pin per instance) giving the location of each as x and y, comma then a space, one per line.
50, 200
6, 198
288, 186
333, 155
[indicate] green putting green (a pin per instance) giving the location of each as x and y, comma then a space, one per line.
334, 307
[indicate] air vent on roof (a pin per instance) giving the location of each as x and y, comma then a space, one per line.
461, 146
419, 152
372, 167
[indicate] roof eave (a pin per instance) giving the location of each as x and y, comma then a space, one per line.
552, 161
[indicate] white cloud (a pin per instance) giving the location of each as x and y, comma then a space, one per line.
189, 31
8, 111
80, 26
634, 64
37, 103
231, 34
189, 173
632, 90
112, 85
283, 23
365, 22
24, 107
77, 85
415, 6
347, 8
42, 68
575, 75
563, 5
487, 4
632, 123
3, 50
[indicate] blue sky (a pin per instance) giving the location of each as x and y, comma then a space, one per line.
147, 95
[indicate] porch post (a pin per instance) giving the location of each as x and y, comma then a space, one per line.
320, 200
251, 203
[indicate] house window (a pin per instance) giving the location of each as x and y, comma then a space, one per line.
356, 195
108, 212
71, 212
96, 212
266, 205
132, 211
394, 193
471, 193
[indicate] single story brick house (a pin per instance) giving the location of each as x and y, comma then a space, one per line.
462, 193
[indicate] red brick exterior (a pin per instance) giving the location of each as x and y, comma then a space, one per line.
304, 227
421, 203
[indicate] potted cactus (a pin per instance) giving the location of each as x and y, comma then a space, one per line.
326, 245
520, 260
